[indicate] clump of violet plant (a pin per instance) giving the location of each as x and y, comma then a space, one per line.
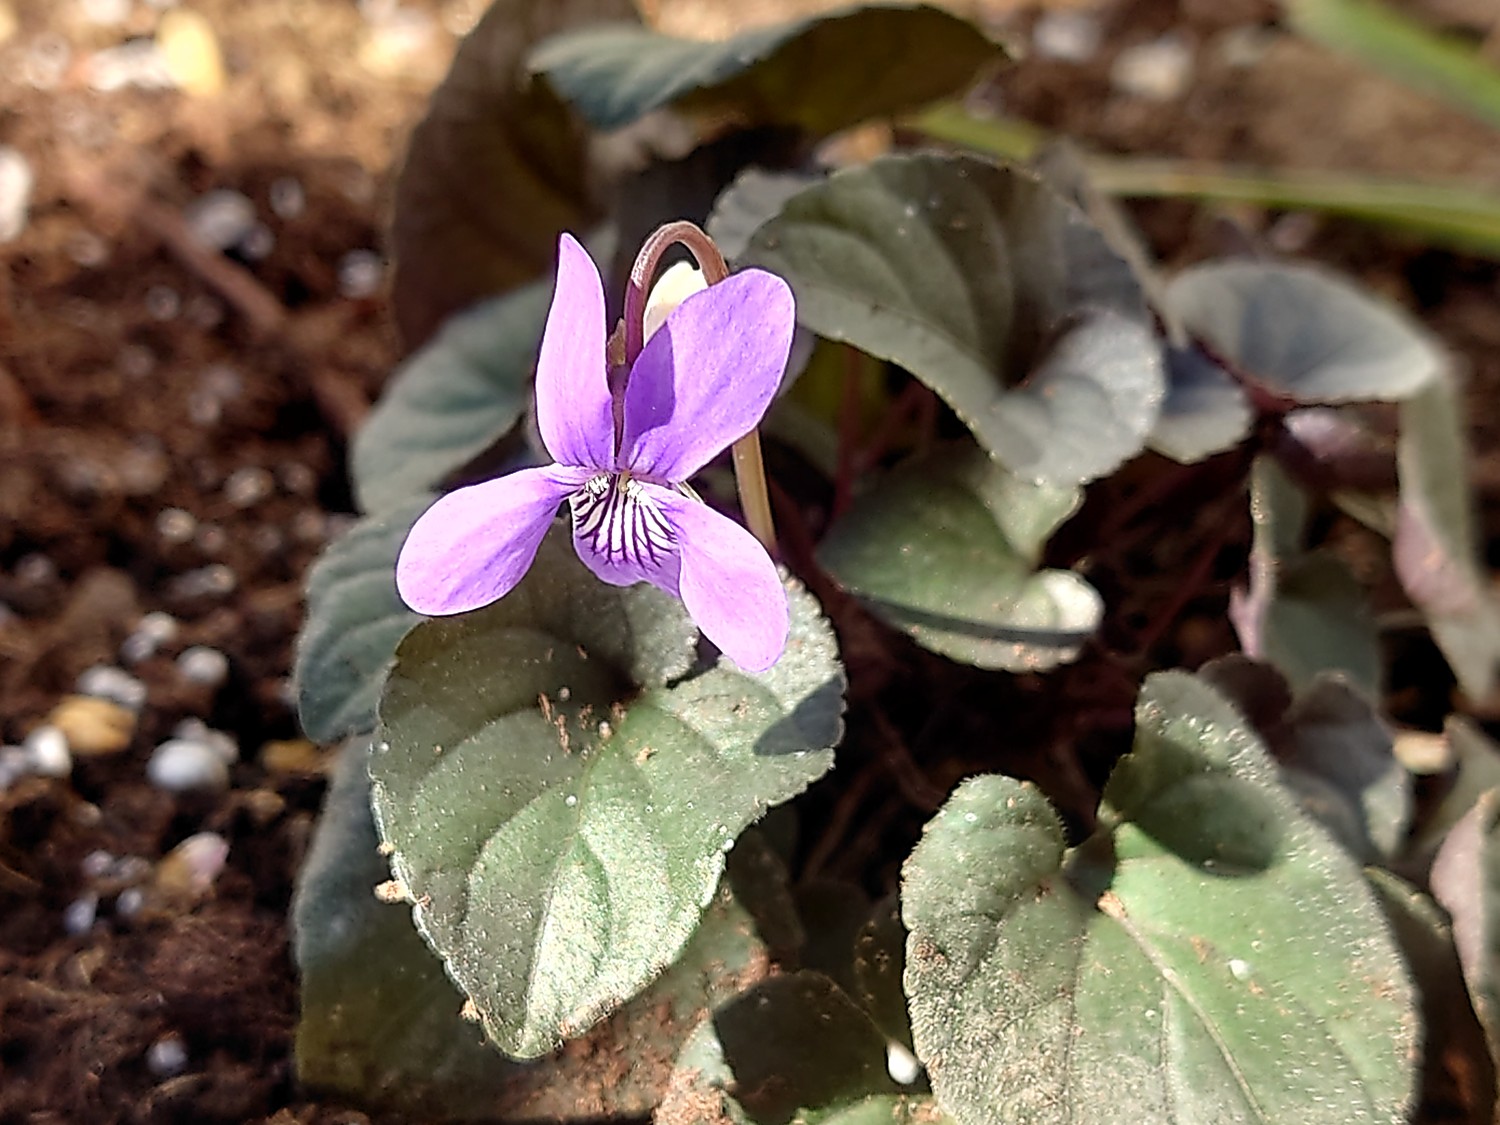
625, 439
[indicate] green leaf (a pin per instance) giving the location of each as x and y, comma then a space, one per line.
946, 548
451, 400
380, 1020
787, 74
1434, 548
755, 197
1205, 411
1458, 1075
1336, 753
793, 1043
1303, 332
991, 289
494, 173
1405, 50
1209, 955
354, 619
1466, 882
1303, 612
560, 793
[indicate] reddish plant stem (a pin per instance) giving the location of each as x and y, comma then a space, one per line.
749, 466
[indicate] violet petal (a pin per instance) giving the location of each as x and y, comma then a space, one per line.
573, 407
728, 584
707, 377
476, 543
622, 534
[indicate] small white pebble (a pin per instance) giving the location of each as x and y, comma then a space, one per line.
129, 902
203, 665
105, 13
36, 570
131, 869
248, 486
176, 525
180, 766
163, 303
1157, 71
13, 766
47, 752
139, 63
1238, 969
1068, 35
360, 274
196, 730
115, 684
901, 1064
214, 580
153, 631
97, 864
16, 180
288, 199
78, 915
167, 1057
220, 219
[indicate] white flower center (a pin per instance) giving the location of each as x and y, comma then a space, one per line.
616, 517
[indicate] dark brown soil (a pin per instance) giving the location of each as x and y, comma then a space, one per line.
139, 379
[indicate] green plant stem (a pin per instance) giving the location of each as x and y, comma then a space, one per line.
1404, 50
1454, 215
749, 466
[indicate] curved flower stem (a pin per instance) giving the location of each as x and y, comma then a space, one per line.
749, 468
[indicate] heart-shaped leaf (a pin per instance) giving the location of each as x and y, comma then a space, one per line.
451, 400
1304, 612
990, 288
354, 619
1205, 411
1336, 753
559, 792
792, 1049
494, 173
380, 1020
755, 197
946, 548
1466, 881
1434, 548
1209, 955
780, 75
1304, 333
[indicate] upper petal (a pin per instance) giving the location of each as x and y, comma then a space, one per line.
473, 545
573, 406
728, 584
706, 378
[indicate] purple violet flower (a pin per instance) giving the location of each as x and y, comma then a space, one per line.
702, 381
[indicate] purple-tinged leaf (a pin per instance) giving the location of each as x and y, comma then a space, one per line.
1434, 548
1303, 612
1302, 332
1466, 882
